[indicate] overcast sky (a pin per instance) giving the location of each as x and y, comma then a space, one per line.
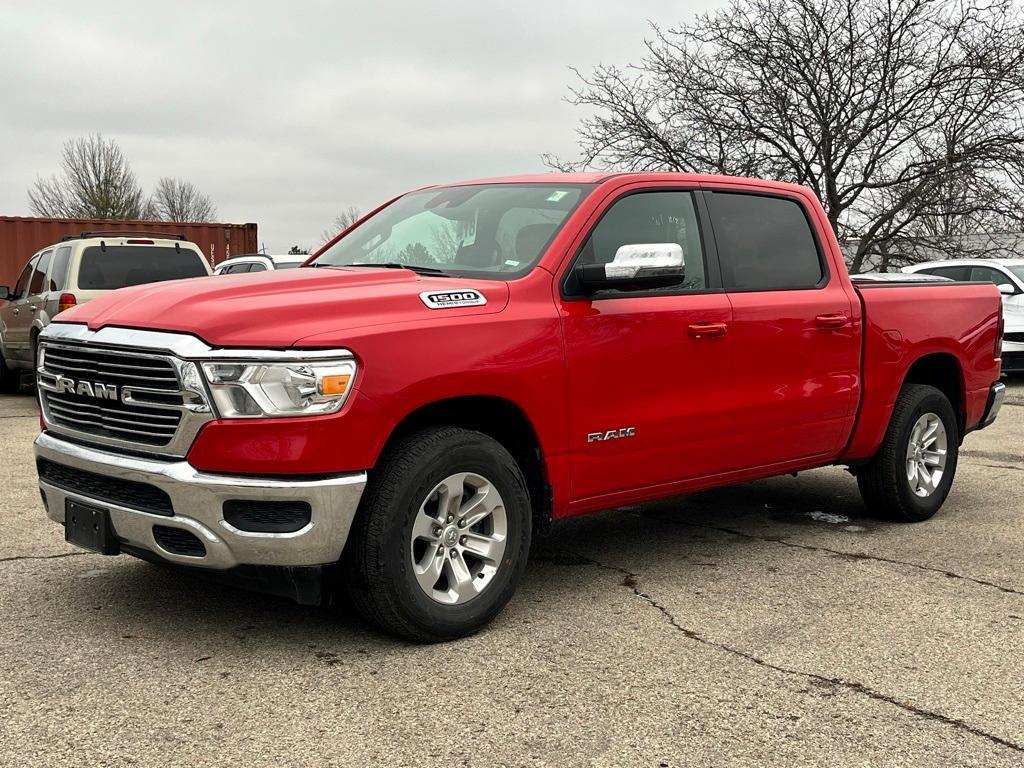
287, 112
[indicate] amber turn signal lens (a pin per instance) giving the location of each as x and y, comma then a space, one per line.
334, 385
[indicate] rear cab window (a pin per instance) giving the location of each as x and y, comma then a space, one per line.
765, 243
121, 266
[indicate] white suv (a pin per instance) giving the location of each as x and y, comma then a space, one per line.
75, 270
1008, 275
259, 262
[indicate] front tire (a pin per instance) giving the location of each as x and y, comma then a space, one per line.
442, 536
10, 378
910, 477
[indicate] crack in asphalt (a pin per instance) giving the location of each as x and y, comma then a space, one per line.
994, 466
41, 557
842, 553
630, 580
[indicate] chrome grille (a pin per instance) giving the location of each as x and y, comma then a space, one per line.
111, 367
144, 406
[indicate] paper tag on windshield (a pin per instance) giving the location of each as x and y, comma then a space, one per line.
554, 197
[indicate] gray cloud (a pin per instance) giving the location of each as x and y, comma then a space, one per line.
287, 112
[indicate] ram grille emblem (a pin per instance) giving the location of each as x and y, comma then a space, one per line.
64, 385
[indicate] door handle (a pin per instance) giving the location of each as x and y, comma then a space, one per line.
708, 330
831, 321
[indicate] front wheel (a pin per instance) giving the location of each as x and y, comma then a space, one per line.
10, 378
442, 536
910, 476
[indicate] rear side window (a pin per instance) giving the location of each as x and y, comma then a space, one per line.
257, 267
764, 243
234, 269
58, 276
120, 266
39, 276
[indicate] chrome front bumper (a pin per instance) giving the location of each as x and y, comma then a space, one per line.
198, 498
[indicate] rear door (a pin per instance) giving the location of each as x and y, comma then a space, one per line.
795, 343
647, 390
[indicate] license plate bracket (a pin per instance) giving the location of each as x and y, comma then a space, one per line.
89, 527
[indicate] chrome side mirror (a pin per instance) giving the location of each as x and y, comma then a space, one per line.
636, 267
1006, 289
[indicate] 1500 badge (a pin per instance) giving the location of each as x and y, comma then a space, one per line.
611, 434
458, 297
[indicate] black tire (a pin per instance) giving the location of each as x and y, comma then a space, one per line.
377, 566
10, 379
884, 484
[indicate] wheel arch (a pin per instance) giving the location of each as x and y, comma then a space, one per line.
501, 419
943, 371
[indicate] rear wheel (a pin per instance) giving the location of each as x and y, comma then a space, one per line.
442, 536
910, 477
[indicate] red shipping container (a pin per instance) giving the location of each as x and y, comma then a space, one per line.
22, 236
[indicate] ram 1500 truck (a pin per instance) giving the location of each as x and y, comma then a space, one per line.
471, 362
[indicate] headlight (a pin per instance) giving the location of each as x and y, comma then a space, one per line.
257, 389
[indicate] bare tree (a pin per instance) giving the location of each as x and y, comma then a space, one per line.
904, 116
341, 222
95, 182
178, 200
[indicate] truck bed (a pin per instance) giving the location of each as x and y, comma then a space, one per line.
904, 322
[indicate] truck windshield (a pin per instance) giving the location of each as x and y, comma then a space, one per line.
119, 266
482, 230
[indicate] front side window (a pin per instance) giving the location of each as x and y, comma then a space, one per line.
21, 287
120, 266
647, 218
989, 275
58, 275
38, 283
257, 267
493, 231
764, 243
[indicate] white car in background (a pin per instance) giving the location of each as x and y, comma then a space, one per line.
1008, 276
259, 262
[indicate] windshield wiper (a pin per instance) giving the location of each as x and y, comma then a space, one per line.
418, 269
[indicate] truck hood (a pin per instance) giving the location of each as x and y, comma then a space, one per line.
277, 308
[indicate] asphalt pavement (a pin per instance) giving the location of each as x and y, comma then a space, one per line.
767, 624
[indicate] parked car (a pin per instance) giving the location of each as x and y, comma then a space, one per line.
1008, 276
76, 270
896, 277
258, 262
473, 362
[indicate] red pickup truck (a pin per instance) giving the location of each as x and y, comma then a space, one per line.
471, 362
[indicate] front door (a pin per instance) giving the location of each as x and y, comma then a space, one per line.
648, 371
16, 319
